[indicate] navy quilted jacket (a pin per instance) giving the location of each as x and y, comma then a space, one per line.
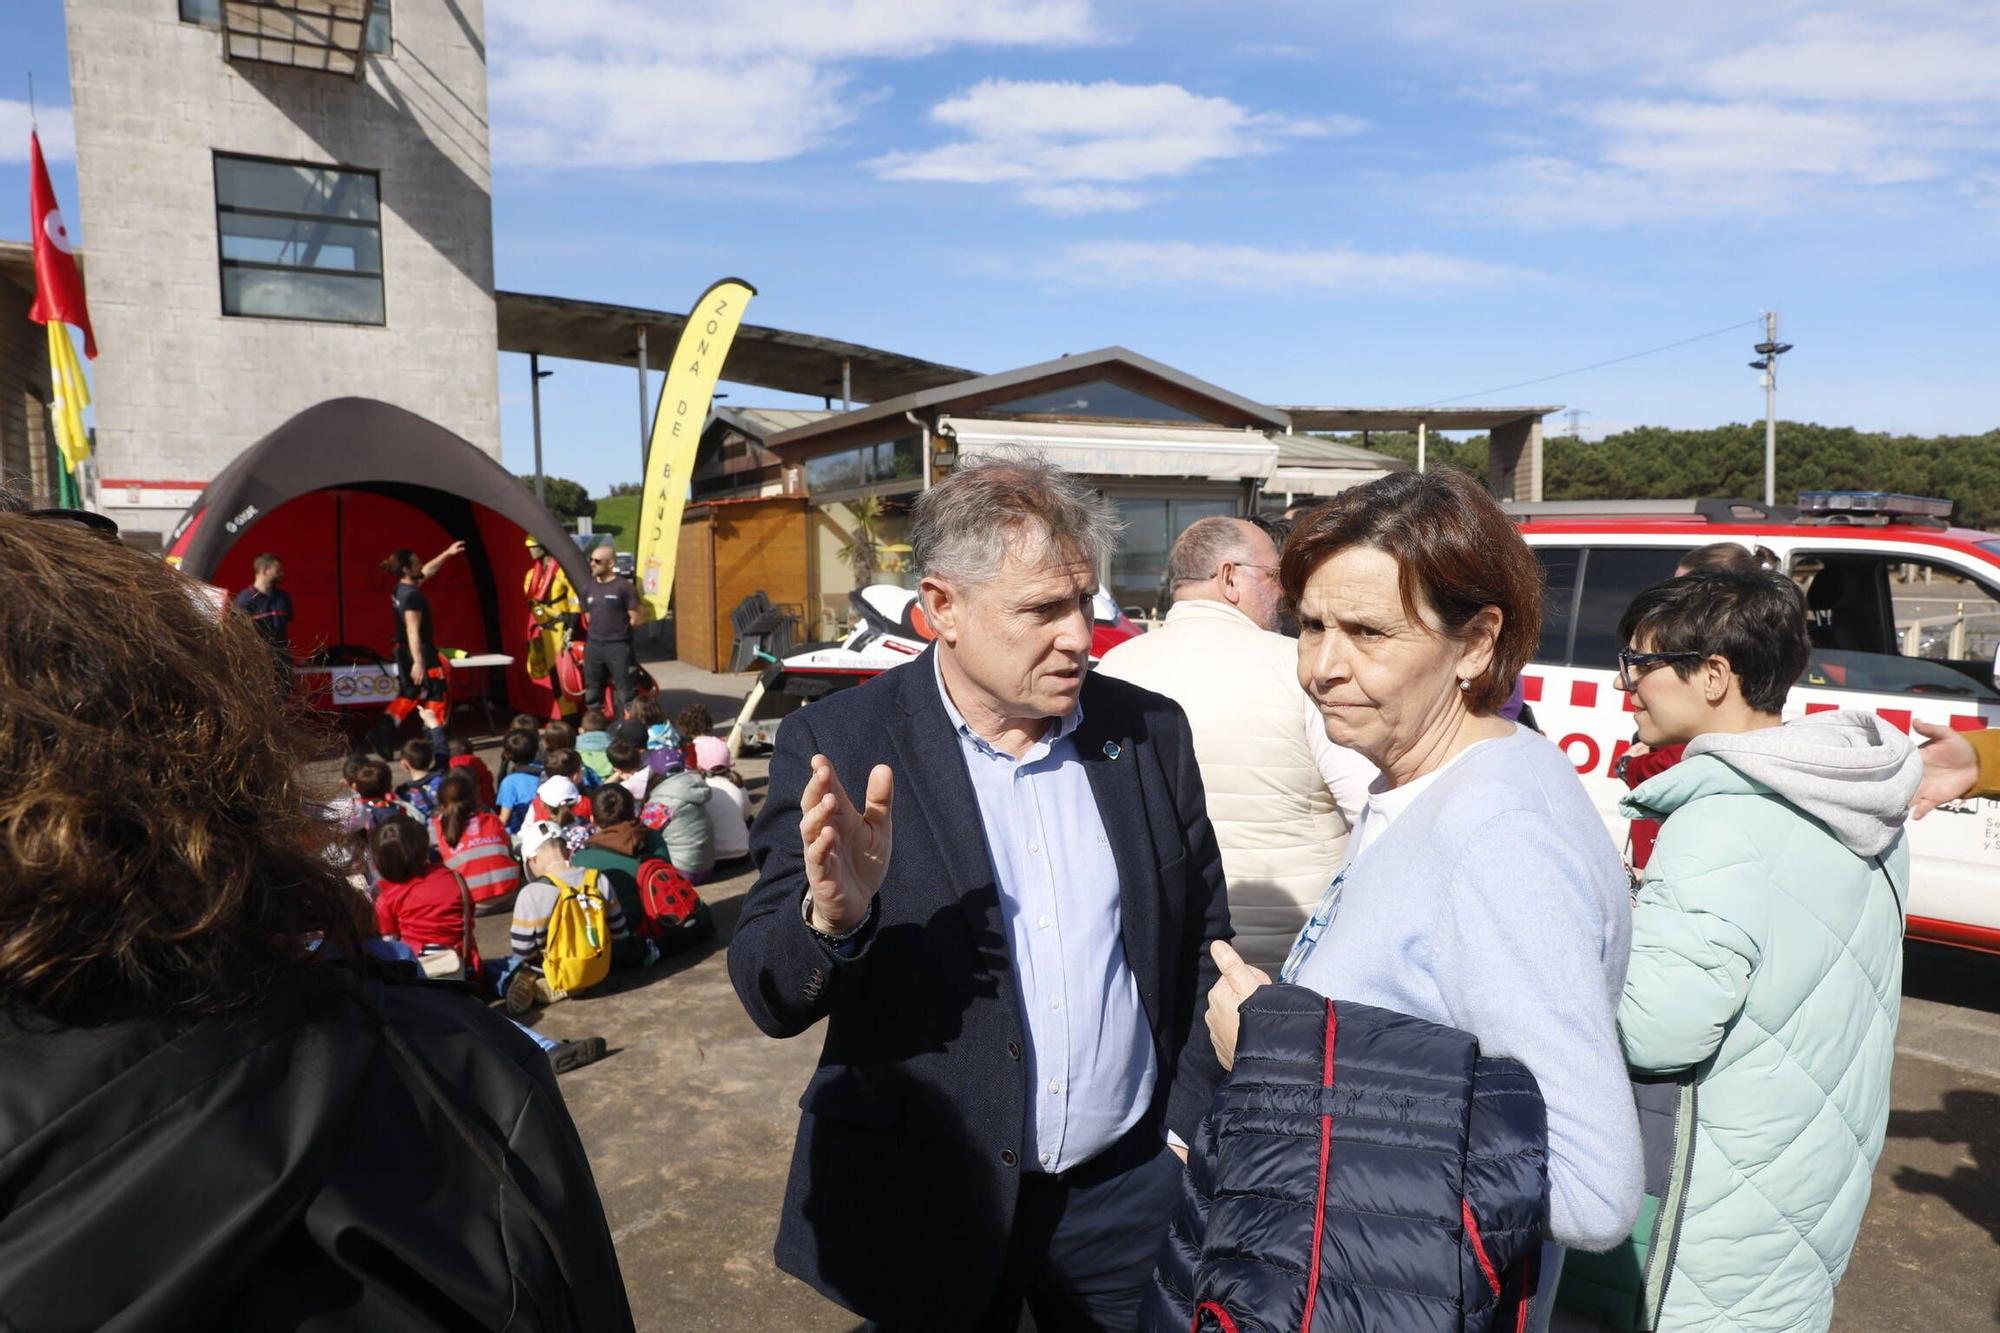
1360, 1170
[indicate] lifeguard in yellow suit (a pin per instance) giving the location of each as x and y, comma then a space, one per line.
554, 614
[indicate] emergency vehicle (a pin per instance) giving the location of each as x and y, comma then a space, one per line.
1904, 616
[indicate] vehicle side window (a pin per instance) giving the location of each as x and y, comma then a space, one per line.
1879, 622
1560, 565
1612, 577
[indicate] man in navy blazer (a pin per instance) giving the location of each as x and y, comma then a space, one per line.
1008, 939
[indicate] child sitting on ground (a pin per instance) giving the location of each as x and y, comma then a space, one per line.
547, 860
474, 842
729, 806
524, 773
465, 759
592, 740
558, 738
522, 722
418, 758
620, 848
375, 804
690, 833
417, 900
695, 723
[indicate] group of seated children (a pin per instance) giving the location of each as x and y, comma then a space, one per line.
593, 838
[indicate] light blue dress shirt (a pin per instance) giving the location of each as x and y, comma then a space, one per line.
1089, 1053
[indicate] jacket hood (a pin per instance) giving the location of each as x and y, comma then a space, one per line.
684, 786
1851, 771
624, 839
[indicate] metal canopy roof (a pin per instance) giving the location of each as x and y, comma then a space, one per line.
1406, 418
765, 357
976, 392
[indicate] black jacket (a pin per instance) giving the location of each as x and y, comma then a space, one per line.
294, 1168
906, 1170
1370, 1163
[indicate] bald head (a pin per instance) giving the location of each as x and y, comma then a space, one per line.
1227, 560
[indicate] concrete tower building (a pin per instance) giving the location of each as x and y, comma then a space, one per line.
283, 201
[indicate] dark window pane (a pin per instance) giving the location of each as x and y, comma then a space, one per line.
380, 31
1559, 568
1098, 398
301, 244
1139, 565
300, 294
202, 11
295, 187
1612, 577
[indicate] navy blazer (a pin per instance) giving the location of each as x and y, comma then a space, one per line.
907, 1165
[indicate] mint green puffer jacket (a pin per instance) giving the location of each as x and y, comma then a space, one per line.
1767, 959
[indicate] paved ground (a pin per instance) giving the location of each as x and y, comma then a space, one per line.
689, 1124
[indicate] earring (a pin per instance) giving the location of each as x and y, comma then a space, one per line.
1465, 684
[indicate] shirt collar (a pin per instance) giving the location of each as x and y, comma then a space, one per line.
1064, 726
1207, 608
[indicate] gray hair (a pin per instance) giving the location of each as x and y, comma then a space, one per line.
962, 527
1202, 547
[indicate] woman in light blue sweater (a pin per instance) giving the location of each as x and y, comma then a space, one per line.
1481, 890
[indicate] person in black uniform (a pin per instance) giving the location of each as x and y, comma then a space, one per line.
612, 607
269, 607
420, 682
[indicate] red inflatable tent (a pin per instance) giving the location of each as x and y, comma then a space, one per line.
339, 486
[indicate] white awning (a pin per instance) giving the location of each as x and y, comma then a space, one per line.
1102, 449
1321, 481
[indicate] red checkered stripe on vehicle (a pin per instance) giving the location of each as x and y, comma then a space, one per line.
1589, 694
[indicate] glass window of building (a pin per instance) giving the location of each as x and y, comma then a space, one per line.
378, 38
1139, 564
1098, 398
868, 465
298, 241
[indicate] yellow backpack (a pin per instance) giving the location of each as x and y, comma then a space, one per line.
578, 953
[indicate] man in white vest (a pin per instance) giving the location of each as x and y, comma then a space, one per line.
1280, 794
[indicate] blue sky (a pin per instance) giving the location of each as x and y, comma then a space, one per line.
1304, 202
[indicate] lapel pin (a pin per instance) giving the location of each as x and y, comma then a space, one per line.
1111, 750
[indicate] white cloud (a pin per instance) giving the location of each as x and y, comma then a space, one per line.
1710, 108
637, 83
1843, 58
1276, 51
1067, 147
58, 132
1194, 265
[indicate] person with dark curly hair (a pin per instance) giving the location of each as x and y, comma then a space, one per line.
219, 1112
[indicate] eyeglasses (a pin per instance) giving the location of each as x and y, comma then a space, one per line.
1633, 665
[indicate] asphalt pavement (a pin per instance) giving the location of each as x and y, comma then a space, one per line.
690, 1117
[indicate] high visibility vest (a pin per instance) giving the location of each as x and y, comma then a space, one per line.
484, 856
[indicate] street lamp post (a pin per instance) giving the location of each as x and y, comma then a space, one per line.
535, 377
1768, 353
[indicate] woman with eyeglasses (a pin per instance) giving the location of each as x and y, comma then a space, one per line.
1766, 955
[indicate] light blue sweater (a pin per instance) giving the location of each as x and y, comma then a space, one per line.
1496, 904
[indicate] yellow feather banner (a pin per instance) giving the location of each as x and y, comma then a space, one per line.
677, 424
71, 395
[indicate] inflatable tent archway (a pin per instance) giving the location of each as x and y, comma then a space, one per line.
334, 490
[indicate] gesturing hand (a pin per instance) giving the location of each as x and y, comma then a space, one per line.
1226, 997
1950, 768
847, 850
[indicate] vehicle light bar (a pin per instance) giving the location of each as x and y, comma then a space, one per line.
1886, 504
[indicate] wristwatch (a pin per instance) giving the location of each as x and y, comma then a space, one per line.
806, 915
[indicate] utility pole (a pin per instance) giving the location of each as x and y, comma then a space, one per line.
1768, 353
535, 377
645, 424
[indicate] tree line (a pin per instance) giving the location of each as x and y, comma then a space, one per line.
1653, 462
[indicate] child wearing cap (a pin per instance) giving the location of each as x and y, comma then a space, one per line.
729, 804
546, 858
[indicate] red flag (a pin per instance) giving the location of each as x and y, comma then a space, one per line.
58, 285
